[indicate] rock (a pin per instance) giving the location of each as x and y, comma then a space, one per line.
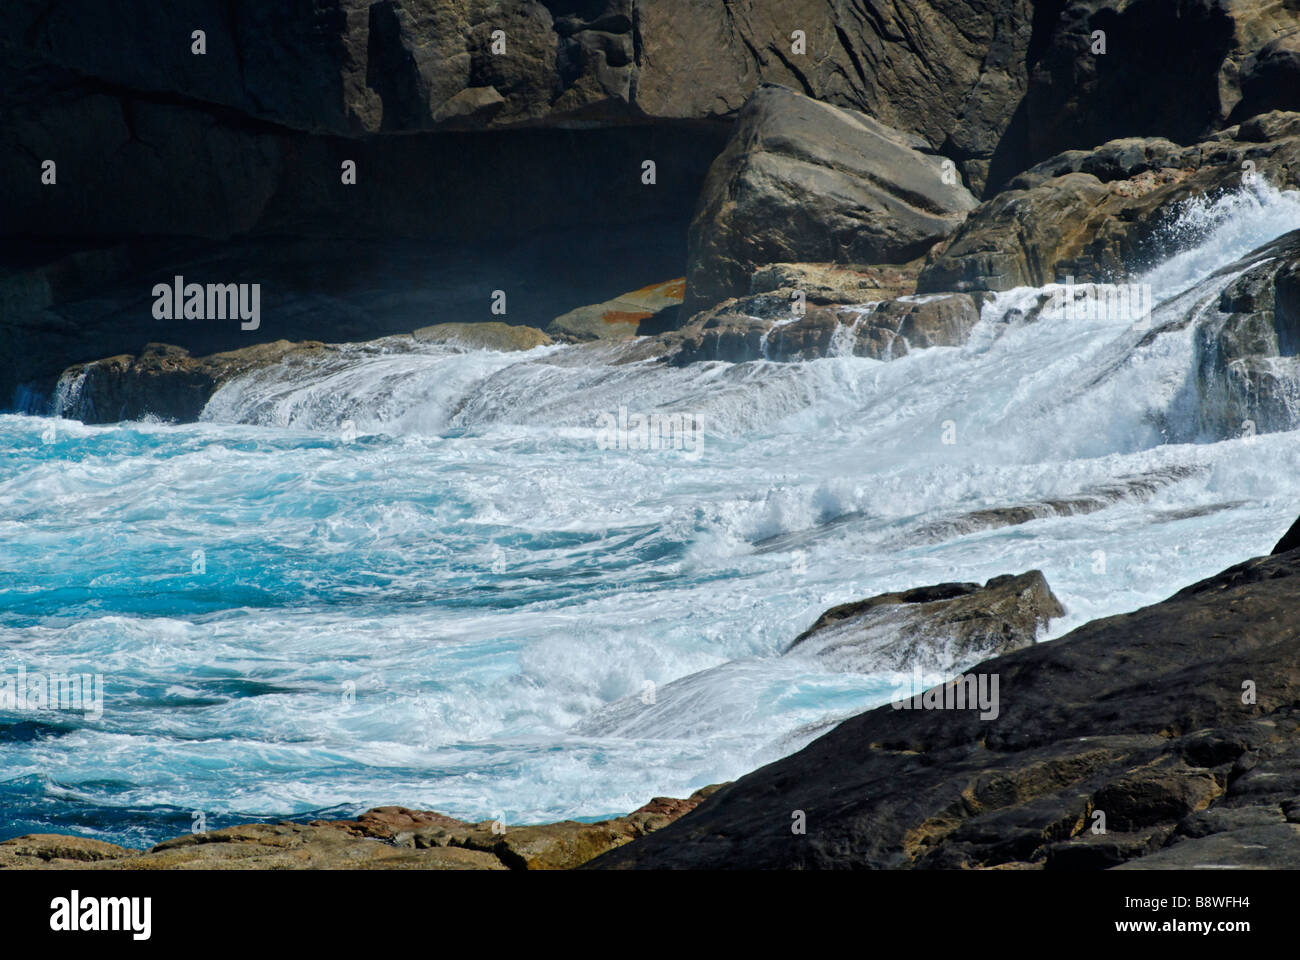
944, 67
1258, 848
801, 180
1137, 487
832, 283
1248, 344
1290, 540
647, 310
51, 850
290, 846
1097, 214
1270, 78
1232, 63
1139, 717
61, 305
488, 335
940, 628
556, 846
163, 381
762, 327
385, 838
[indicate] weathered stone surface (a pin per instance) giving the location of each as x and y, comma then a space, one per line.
402, 65
487, 335
1140, 717
55, 851
646, 310
763, 327
801, 180
1175, 70
288, 846
1248, 345
1097, 214
944, 627
163, 381
385, 838
832, 283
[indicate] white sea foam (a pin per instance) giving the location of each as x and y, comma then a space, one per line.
499, 592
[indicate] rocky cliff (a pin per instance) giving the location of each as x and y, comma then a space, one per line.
510, 137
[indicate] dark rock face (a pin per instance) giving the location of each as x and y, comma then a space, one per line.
804, 181
164, 141
354, 66
1219, 62
1176, 723
1290, 540
1249, 346
164, 381
1095, 214
943, 627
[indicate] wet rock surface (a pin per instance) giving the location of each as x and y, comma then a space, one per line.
1176, 723
165, 382
765, 327
1097, 214
943, 627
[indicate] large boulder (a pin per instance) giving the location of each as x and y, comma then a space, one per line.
1096, 214
941, 628
801, 180
1172, 729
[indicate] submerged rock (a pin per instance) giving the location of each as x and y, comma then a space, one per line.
1165, 737
802, 180
164, 381
942, 628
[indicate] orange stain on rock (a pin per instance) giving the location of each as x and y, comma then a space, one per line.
669, 289
625, 316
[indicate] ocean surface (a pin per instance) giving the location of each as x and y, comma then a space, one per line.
423, 578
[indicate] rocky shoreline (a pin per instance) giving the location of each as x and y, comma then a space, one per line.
870, 200
1164, 738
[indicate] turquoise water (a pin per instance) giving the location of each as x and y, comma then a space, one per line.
415, 577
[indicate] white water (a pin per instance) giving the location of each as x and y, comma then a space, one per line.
501, 590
